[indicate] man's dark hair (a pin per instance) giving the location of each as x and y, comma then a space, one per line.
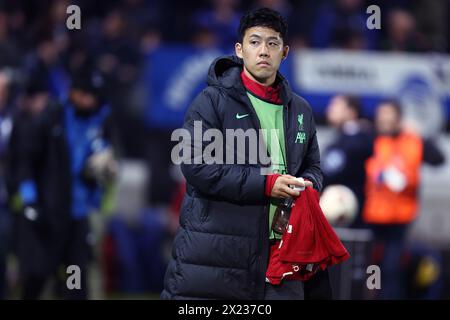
354, 103
88, 80
263, 17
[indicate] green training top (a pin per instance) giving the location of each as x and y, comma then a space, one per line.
271, 119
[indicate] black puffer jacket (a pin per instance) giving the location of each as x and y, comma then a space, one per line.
221, 249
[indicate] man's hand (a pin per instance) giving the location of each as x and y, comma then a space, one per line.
282, 189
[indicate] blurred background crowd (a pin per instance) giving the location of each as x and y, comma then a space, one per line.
144, 61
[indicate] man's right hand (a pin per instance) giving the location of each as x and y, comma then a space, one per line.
282, 189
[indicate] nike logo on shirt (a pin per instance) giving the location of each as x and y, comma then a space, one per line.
238, 116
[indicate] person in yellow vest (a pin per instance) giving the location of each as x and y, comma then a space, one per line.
392, 190
393, 170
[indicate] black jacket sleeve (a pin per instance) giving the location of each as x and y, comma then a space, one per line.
243, 184
310, 168
432, 154
30, 136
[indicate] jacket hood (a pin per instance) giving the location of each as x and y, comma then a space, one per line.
225, 72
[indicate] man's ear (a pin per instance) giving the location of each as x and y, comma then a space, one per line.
238, 49
285, 52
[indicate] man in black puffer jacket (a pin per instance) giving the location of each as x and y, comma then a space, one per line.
221, 249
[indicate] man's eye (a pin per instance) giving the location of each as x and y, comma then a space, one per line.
273, 44
254, 42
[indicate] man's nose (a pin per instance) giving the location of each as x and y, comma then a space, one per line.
264, 51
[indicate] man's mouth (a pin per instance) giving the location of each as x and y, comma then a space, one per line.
263, 63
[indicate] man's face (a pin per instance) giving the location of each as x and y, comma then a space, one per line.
37, 102
83, 100
262, 50
387, 120
338, 112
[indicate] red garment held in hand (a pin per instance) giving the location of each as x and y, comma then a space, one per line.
308, 245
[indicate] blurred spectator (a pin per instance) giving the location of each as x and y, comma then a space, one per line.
342, 24
301, 22
402, 33
149, 40
64, 160
204, 38
57, 20
34, 100
344, 159
392, 186
141, 14
222, 20
298, 27
117, 55
9, 51
392, 192
17, 30
46, 61
5, 132
432, 17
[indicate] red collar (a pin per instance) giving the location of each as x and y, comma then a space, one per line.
267, 93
